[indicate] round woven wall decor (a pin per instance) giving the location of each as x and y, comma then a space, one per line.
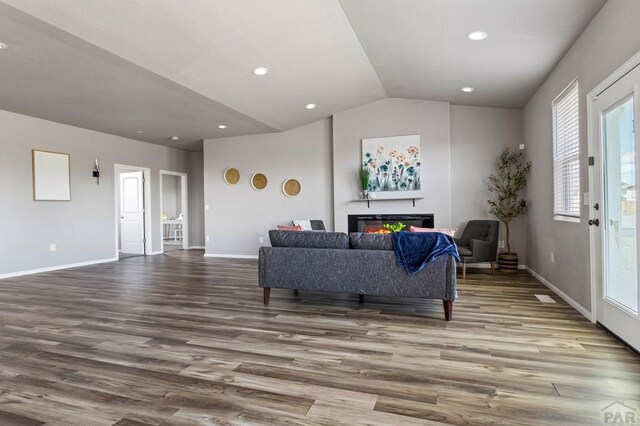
259, 181
291, 187
231, 176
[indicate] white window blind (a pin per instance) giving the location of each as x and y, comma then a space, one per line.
566, 154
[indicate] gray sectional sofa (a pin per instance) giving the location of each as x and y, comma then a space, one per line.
365, 264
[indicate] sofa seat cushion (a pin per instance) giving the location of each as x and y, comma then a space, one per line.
309, 239
364, 241
464, 251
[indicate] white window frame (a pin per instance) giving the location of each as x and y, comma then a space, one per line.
563, 213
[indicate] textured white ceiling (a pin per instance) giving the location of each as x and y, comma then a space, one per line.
419, 48
182, 67
51, 74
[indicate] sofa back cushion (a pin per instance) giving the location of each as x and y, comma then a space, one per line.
364, 241
309, 239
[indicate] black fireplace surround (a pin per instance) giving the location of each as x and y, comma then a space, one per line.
357, 222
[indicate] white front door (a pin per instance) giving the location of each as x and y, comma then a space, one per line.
132, 213
615, 219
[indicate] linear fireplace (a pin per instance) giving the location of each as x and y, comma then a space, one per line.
365, 222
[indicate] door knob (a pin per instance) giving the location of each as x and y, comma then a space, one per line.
595, 222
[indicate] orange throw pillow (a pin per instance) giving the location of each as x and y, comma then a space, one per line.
289, 228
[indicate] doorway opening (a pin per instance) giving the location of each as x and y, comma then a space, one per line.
174, 208
132, 214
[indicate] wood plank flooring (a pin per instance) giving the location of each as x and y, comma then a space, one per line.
178, 339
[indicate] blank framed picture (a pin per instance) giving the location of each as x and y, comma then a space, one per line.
51, 176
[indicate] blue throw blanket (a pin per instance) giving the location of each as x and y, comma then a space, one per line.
415, 249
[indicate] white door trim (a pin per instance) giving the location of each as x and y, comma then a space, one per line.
592, 134
185, 208
146, 173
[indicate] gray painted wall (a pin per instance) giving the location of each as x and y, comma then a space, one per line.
83, 229
393, 117
238, 215
477, 137
196, 199
609, 41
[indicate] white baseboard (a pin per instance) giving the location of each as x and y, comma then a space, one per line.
485, 265
155, 253
578, 307
56, 268
232, 256
196, 247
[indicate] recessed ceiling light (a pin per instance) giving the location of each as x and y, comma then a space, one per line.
3, 46
310, 106
222, 126
467, 89
260, 70
175, 138
139, 132
477, 35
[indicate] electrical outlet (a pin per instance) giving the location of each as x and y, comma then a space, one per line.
206, 238
206, 207
500, 243
53, 247
261, 239
521, 146
553, 258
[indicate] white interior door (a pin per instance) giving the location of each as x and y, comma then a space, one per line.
615, 218
132, 212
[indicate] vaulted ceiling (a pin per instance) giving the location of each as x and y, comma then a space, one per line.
175, 67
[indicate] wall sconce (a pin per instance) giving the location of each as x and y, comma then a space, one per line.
96, 171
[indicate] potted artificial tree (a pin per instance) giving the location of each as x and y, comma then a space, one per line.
509, 179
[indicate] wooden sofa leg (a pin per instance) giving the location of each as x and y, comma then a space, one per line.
464, 271
361, 298
493, 268
266, 294
448, 309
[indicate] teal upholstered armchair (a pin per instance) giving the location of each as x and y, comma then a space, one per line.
478, 243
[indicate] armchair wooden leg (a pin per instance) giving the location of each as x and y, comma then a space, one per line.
448, 309
464, 271
493, 268
266, 293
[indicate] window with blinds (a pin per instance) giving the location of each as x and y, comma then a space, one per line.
566, 155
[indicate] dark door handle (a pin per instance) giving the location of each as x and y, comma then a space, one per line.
595, 222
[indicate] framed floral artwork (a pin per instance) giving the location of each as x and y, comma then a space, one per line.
394, 165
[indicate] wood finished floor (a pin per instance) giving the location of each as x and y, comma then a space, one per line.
179, 339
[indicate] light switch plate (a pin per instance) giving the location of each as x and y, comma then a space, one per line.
585, 198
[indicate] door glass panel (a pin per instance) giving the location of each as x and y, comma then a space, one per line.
620, 217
